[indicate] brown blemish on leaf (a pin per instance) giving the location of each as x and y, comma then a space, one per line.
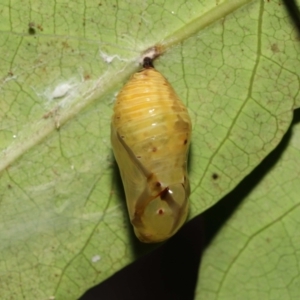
274, 48
87, 77
65, 45
215, 176
31, 29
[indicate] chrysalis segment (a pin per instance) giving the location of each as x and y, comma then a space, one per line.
150, 135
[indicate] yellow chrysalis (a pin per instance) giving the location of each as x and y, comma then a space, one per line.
150, 136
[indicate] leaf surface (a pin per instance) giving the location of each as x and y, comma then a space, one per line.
63, 221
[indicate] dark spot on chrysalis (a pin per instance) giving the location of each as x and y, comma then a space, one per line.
150, 177
164, 194
139, 157
154, 149
215, 176
158, 184
160, 211
185, 141
148, 63
122, 137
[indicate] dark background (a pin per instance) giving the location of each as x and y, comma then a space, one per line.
170, 271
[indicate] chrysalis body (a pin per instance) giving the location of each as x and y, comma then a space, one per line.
150, 135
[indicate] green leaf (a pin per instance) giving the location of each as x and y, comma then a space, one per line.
63, 221
255, 252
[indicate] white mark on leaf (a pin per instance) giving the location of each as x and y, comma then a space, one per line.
96, 258
61, 90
